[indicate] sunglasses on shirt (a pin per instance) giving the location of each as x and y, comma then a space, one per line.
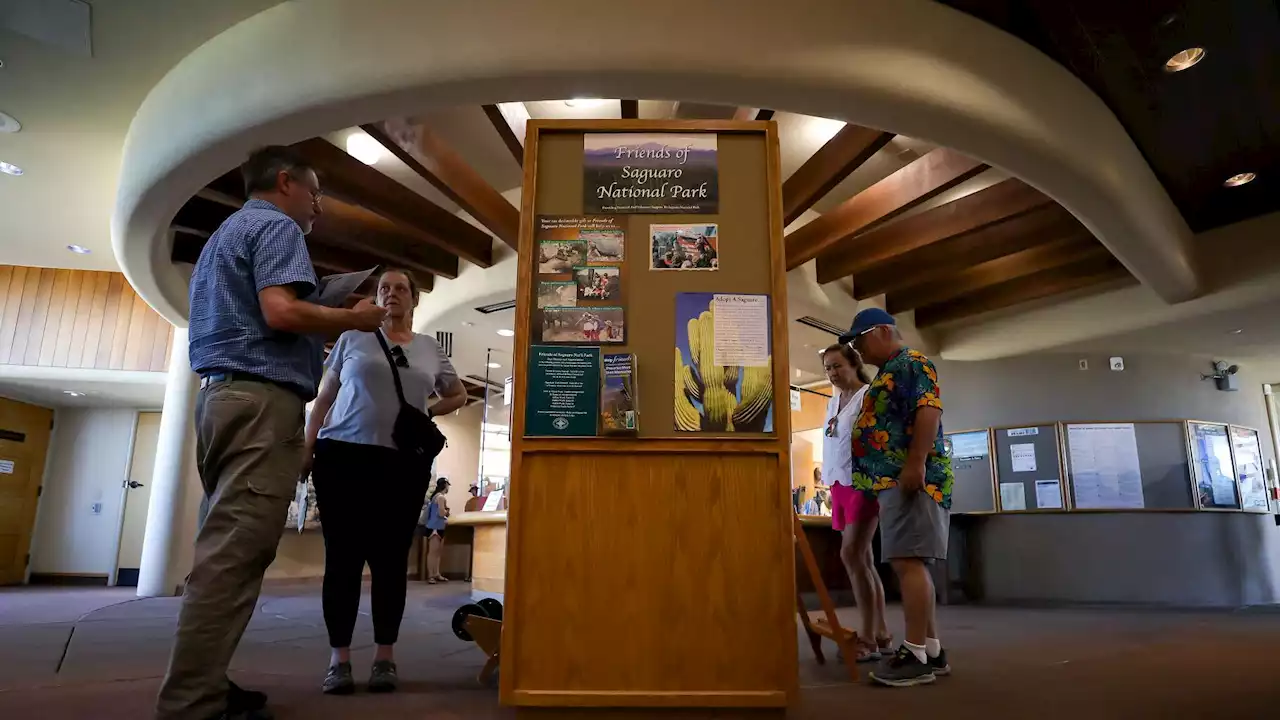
397, 353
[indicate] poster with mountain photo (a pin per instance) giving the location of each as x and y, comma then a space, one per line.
666, 173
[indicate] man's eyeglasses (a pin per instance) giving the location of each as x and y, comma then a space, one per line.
397, 354
316, 193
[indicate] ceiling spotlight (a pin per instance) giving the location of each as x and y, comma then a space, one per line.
79, 249
1237, 331
8, 169
494, 366
73, 393
9, 124
468, 323
1184, 59
364, 148
583, 102
504, 332
1241, 179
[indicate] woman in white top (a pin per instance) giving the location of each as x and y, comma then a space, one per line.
854, 514
369, 492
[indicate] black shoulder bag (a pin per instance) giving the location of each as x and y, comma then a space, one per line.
415, 432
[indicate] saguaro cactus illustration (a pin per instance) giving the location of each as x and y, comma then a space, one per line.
716, 387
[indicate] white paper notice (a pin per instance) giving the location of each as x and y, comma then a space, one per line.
796, 403
1104, 466
741, 330
1013, 496
1023, 457
1048, 495
1020, 432
335, 289
6, 467
492, 502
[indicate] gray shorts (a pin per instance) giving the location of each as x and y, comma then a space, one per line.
912, 525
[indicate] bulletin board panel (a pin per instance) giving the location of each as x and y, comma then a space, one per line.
974, 489
1162, 463
702, 612
1213, 466
1035, 445
1246, 454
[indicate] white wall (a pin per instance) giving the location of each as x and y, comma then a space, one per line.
460, 461
88, 463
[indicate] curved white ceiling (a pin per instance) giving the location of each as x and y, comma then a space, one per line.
911, 66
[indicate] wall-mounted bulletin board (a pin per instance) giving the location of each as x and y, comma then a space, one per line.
1128, 466
971, 461
1028, 468
660, 242
1212, 466
1246, 451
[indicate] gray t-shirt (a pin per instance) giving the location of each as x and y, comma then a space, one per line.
366, 407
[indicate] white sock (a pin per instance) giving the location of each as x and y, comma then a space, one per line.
917, 650
932, 647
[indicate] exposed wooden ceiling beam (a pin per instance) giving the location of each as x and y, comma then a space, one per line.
954, 254
1005, 198
845, 152
326, 259
1057, 253
427, 154
345, 226
1087, 273
629, 109
503, 128
931, 175
352, 180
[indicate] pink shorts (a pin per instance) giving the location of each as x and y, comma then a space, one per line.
849, 506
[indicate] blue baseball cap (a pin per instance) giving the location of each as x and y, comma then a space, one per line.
865, 320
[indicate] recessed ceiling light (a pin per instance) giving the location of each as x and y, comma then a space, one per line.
468, 323
364, 148
79, 249
504, 332
1237, 331
1241, 179
583, 102
8, 169
494, 365
9, 124
1184, 59
73, 393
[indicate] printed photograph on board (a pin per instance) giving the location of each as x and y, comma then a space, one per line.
618, 401
583, 325
650, 173
557, 257
598, 283
557, 292
723, 363
684, 247
604, 247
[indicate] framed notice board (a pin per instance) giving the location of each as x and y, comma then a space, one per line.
974, 488
1128, 466
1246, 450
1213, 466
1028, 468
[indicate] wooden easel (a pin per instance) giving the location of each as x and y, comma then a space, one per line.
828, 625
488, 635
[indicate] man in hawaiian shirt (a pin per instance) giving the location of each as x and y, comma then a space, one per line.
898, 457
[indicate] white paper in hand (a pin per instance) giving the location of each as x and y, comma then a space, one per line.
335, 289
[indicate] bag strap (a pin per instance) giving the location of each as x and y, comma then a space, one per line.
395, 372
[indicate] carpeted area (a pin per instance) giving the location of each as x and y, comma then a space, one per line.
72, 655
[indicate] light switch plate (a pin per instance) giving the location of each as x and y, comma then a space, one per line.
1117, 364
1084, 364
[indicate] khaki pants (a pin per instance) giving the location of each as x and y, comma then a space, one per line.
249, 451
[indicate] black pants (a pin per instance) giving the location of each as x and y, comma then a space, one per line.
369, 499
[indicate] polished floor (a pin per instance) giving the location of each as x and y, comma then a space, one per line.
98, 653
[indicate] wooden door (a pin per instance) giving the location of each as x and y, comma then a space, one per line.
24, 443
137, 498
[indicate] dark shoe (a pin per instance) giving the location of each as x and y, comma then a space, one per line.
903, 669
260, 714
339, 680
240, 699
939, 664
383, 679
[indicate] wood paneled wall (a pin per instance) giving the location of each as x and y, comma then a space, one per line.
78, 319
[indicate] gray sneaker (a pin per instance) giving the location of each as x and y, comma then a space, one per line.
939, 664
383, 678
903, 669
339, 680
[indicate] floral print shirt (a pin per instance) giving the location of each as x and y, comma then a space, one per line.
882, 438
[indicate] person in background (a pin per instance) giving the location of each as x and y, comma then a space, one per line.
475, 502
900, 459
253, 341
437, 520
367, 490
853, 514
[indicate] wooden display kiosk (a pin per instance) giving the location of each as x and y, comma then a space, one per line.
650, 559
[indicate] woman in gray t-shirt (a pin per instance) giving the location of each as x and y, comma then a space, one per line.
368, 492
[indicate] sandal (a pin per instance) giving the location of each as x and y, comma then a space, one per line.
885, 645
868, 652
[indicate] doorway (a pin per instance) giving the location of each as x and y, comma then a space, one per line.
137, 498
24, 444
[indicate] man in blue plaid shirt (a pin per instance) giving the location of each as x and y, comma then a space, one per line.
256, 342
